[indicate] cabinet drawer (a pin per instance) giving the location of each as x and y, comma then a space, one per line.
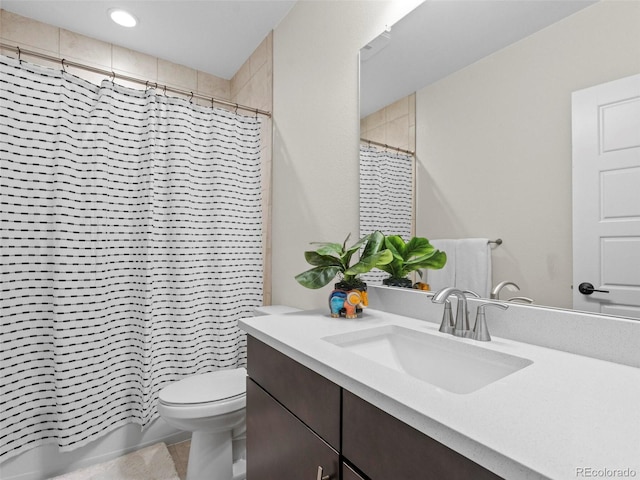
309, 396
281, 447
383, 447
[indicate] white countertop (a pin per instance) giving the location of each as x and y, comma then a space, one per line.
563, 417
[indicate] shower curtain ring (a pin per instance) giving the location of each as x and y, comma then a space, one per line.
113, 76
191, 97
236, 111
64, 67
19, 56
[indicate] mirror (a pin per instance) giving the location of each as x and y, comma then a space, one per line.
492, 82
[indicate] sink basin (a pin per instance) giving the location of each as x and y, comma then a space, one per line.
448, 363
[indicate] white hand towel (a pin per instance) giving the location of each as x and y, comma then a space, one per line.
446, 276
473, 265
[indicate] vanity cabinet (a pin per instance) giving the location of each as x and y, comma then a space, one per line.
298, 421
293, 418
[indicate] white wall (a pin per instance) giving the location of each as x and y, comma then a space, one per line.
494, 144
316, 131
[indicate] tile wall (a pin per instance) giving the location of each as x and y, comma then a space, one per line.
393, 125
252, 85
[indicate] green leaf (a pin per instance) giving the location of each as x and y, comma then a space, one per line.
318, 277
435, 261
346, 257
396, 244
356, 246
418, 247
327, 248
313, 258
369, 263
374, 244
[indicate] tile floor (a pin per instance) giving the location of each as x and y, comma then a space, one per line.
180, 454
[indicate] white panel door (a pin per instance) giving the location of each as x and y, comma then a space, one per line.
606, 198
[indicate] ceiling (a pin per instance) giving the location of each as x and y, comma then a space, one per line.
217, 36
214, 36
442, 37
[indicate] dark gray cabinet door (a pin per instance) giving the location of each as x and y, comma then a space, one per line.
385, 448
281, 447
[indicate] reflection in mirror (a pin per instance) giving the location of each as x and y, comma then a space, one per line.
493, 83
387, 170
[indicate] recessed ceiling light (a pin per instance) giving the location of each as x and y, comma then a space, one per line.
123, 18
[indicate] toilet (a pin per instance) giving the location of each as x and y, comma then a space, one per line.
212, 406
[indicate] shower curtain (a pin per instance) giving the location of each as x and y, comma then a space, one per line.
131, 245
386, 196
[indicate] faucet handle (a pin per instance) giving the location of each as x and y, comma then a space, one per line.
446, 326
480, 329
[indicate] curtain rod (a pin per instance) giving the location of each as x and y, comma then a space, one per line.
397, 149
66, 63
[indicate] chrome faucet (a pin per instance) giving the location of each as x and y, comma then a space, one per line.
495, 293
461, 327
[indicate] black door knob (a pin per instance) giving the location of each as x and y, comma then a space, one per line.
587, 289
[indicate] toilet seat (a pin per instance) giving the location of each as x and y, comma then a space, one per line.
206, 394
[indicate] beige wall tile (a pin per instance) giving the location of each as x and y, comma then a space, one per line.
399, 108
393, 125
177, 75
259, 57
81, 48
376, 119
261, 96
377, 134
412, 138
246, 95
363, 127
398, 132
240, 79
134, 63
29, 33
215, 86
412, 110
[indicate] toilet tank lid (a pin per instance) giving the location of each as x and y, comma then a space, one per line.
206, 387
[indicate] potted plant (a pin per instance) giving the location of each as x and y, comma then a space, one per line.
333, 259
411, 256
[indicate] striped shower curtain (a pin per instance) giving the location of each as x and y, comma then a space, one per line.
386, 196
131, 246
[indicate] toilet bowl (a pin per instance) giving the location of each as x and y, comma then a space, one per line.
212, 406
